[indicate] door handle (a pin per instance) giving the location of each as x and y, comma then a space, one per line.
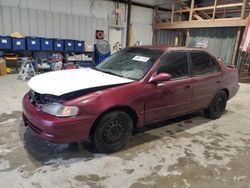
218, 81
187, 87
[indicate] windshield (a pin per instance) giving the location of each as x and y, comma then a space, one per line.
132, 63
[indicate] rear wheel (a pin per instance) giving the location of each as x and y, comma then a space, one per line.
217, 106
113, 132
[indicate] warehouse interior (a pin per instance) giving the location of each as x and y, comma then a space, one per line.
39, 38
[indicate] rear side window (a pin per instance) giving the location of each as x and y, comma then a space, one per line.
201, 63
215, 67
176, 64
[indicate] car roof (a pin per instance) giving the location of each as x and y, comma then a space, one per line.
171, 48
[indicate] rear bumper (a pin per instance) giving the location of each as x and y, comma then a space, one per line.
234, 91
54, 129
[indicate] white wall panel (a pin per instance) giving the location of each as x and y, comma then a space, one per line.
34, 4
143, 33
33, 22
82, 28
76, 30
42, 24
141, 15
63, 25
56, 25
70, 27
7, 20
61, 6
93, 27
49, 24
16, 21
87, 28
25, 24
1, 20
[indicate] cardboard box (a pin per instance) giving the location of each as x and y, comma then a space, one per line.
2, 67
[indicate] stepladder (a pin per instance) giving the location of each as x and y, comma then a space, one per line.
26, 71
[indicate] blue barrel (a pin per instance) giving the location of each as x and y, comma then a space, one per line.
100, 57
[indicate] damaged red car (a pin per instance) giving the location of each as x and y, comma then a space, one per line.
132, 88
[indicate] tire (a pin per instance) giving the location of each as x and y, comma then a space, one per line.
113, 132
217, 106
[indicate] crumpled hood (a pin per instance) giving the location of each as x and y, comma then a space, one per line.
66, 81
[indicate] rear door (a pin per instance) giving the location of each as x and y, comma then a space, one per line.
206, 78
170, 98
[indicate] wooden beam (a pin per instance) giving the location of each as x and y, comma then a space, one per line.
197, 17
236, 46
172, 13
219, 6
243, 9
191, 10
210, 7
225, 10
154, 38
182, 10
214, 11
203, 13
229, 22
228, 11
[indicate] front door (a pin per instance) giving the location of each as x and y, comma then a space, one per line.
171, 98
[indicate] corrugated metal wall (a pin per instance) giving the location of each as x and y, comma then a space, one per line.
167, 37
74, 19
220, 41
40, 23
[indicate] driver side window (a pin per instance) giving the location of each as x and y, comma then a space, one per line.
175, 64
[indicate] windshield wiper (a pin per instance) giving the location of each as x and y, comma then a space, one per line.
103, 71
109, 72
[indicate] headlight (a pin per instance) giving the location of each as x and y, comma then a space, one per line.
59, 110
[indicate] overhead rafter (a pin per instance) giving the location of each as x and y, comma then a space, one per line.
232, 22
204, 16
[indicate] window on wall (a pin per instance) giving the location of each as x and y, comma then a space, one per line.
201, 63
175, 64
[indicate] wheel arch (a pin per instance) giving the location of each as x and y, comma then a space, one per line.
227, 92
125, 109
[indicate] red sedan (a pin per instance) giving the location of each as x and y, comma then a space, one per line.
132, 88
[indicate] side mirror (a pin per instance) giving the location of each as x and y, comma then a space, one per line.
160, 78
220, 60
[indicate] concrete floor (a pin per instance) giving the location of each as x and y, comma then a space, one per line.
190, 151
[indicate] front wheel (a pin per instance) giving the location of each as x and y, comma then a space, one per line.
217, 106
113, 132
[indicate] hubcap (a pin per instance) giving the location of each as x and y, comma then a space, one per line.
114, 131
218, 105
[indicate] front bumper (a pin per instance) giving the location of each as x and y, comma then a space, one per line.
55, 129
